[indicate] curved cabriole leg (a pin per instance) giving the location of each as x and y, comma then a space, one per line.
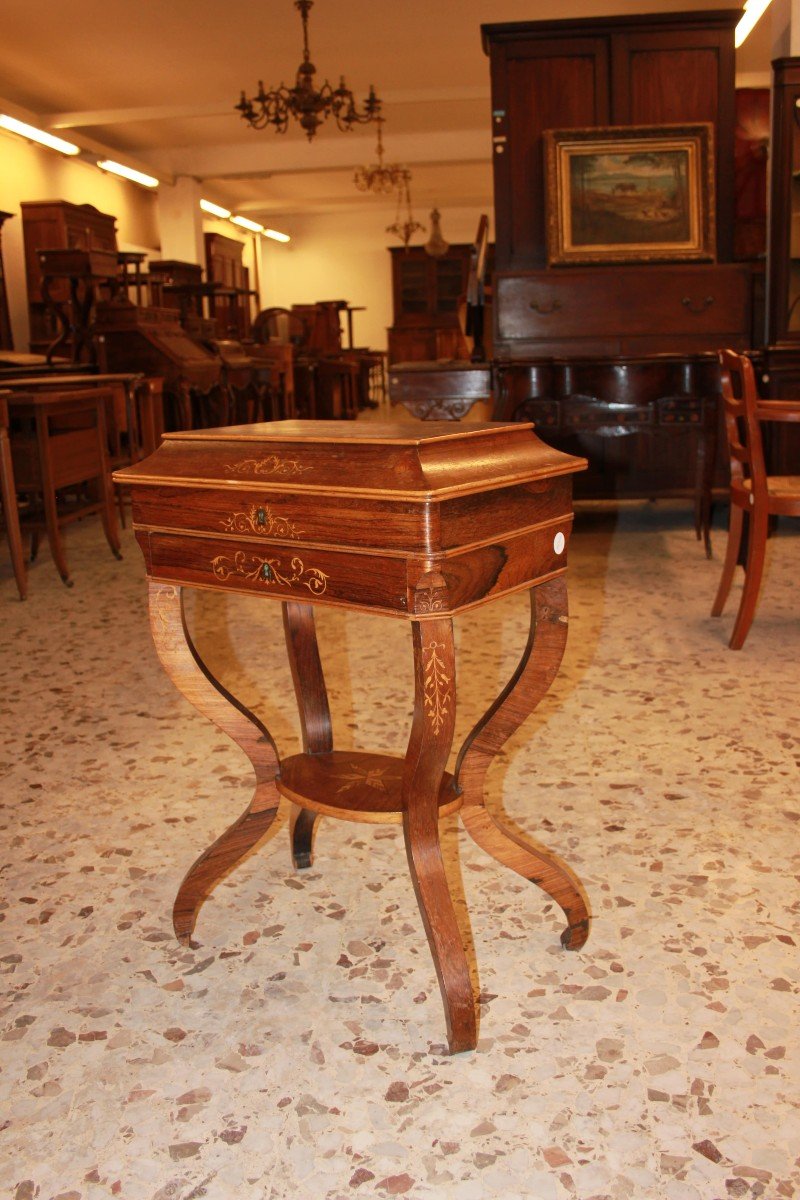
194, 680
315, 715
426, 758
531, 681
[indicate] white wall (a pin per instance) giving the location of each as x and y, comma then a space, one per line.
29, 172
334, 257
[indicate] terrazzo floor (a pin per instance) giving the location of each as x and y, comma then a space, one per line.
298, 1050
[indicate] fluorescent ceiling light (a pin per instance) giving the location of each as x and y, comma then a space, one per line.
753, 11
216, 210
37, 135
246, 223
128, 173
276, 236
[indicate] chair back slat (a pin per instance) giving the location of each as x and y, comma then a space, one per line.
742, 429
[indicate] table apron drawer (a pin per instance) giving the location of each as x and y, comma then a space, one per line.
281, 570
274, 516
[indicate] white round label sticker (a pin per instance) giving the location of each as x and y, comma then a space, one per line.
559, 542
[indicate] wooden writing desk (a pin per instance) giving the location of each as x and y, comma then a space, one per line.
367, 516
61, 444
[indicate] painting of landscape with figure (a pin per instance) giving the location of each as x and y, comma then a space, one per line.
629, 194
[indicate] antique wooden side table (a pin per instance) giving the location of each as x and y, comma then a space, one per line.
373, 517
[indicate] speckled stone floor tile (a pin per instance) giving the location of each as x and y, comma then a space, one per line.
297, 1049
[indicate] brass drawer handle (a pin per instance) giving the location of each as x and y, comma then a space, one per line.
697, 308
545, 309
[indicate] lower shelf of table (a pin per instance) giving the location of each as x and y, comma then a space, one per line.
353, 786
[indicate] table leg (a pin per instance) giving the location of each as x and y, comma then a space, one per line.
58, 309
49, 500
194, 680
315, 715
9, 497
107, 513
426, 758
531, 681
704, 471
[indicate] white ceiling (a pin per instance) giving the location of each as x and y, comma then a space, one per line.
154, 82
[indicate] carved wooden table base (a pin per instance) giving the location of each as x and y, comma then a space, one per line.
415, 791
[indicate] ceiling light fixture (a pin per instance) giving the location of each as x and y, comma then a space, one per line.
246, 223
134, 176
215, 210
753, 12
303, 102
379, 178
276, 235
405, 230
37, 135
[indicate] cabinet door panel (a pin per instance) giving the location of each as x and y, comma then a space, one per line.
549, 87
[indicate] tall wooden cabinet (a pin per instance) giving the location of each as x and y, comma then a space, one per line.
6, 339
224, 266
580, 349
425, 292
58, 225
781, 357
658, 69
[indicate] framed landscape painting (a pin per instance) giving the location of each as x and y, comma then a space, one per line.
630, 194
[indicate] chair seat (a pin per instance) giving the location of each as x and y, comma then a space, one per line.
782, 490
787, 487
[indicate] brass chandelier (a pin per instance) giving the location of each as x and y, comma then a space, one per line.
304, 102
378, 177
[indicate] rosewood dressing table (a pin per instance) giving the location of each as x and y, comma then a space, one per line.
366, 516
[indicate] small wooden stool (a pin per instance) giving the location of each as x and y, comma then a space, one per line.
367, 516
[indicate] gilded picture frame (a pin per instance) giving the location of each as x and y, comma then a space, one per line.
630, 193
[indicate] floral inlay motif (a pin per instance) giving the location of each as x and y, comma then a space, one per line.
270, 570
372, 777
273, 464
436, 685
262, 520
430, 600
163, 599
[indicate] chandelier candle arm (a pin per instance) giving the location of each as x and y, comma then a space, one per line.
303, 102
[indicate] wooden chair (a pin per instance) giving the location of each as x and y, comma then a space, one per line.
752, 490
